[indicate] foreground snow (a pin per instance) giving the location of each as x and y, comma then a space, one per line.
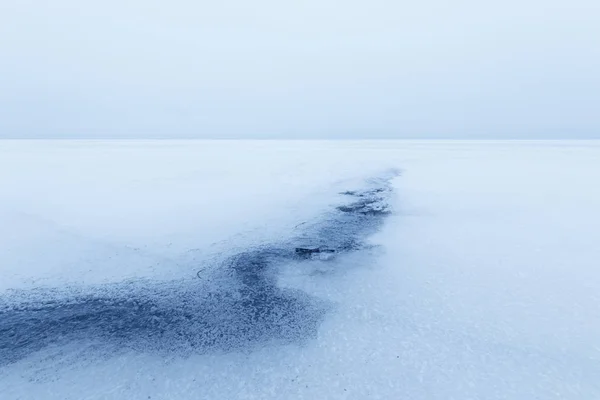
483, 283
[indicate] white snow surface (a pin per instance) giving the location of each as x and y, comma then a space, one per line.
485, 285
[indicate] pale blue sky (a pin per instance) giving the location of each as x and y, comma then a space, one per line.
301, 69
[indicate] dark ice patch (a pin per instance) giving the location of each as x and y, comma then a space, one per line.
235, 306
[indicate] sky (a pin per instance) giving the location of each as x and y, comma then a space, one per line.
310, 69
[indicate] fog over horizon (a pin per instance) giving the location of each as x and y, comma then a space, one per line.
312, 69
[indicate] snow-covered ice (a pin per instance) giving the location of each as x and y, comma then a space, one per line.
481, 283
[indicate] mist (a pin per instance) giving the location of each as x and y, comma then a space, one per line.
312, 69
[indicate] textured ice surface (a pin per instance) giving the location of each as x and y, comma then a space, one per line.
231, 306
476, 278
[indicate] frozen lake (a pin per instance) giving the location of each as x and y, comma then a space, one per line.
299, 269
